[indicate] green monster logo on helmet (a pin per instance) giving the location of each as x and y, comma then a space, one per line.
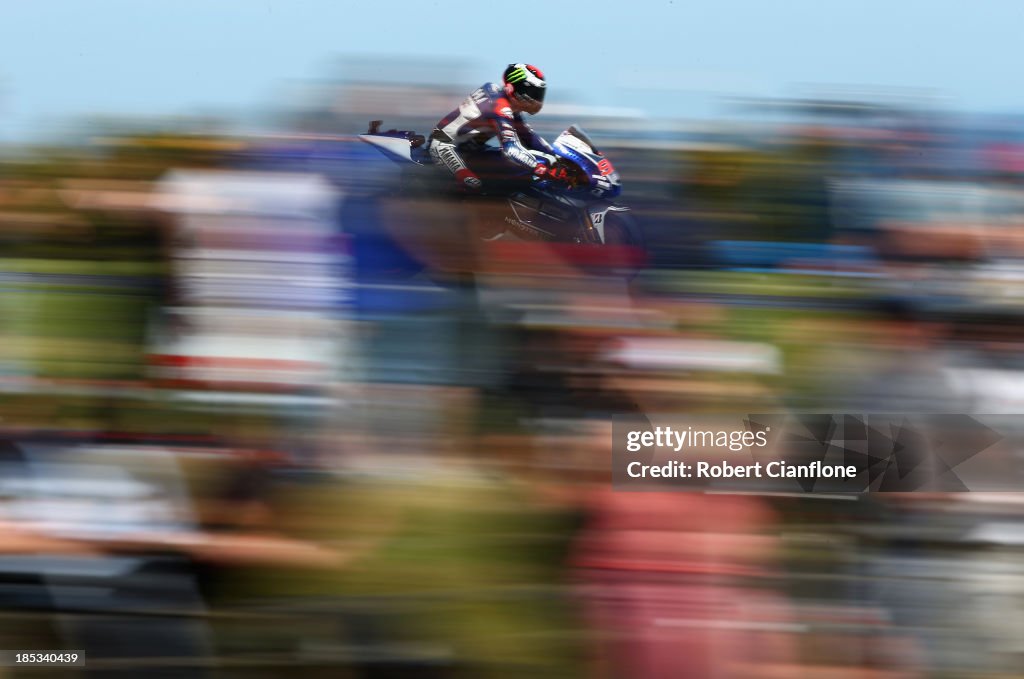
518, 75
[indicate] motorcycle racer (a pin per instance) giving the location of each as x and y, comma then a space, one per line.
497, 110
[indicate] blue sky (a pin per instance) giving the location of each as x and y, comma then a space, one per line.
59, 60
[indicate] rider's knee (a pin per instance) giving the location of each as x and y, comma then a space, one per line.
468, 181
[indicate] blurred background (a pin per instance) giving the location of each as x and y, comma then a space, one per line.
254, 422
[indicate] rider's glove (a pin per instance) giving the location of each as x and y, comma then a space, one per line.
558, 173
553, 172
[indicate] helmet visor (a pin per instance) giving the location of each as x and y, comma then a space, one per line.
528, 91
530, 97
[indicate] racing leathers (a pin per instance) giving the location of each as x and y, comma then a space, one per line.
484, 114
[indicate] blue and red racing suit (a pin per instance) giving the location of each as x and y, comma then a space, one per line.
486, 113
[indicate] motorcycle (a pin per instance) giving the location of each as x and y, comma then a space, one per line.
581, 210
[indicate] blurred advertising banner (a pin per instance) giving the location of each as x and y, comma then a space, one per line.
818, 453
257, 277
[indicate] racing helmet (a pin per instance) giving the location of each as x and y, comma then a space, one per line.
525, 86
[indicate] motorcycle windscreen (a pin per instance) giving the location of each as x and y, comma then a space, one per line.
578, 132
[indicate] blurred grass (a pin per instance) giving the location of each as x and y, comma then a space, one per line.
758, 284
468, 564
94, 328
